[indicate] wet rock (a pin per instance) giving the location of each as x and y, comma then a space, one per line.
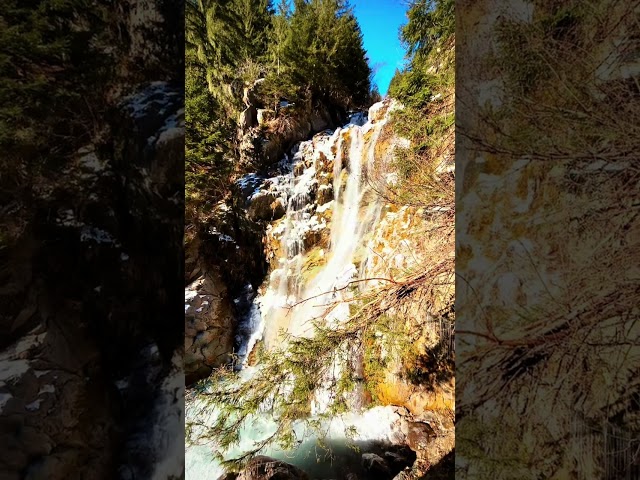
378, 111
324, 164
209, 326
375, 465
279, 209
324, 194
290, 130
321, 137
298, 169
312, 238
267, 468
419, 435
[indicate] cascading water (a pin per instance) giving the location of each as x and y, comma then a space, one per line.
291, 304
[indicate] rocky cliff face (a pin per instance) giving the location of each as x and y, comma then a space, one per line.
209, 327
224, 262
87, 305
91, 352
267, 132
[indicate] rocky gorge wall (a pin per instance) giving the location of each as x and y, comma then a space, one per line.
91, 352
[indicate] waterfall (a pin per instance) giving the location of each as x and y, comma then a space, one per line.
336, 231
352, 219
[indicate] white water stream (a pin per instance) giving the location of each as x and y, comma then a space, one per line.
280, 307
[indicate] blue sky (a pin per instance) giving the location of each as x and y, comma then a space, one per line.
380, 21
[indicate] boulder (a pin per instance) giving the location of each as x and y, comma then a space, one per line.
251, 94
267, 468
266, 206
419, 435
291, 130
375, 466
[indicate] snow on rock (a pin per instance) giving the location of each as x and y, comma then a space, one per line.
11, 370
33, 406
249, 184
96, 235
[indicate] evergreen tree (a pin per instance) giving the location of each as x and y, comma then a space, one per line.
322, 53
208, 145
279, 34
428, 37
255, 22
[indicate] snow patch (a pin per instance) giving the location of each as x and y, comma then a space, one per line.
4, 398
33, 406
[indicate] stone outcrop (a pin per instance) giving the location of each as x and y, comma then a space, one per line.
267, 468
266, 206
232, 243
280, 130
251, 94
209, 326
